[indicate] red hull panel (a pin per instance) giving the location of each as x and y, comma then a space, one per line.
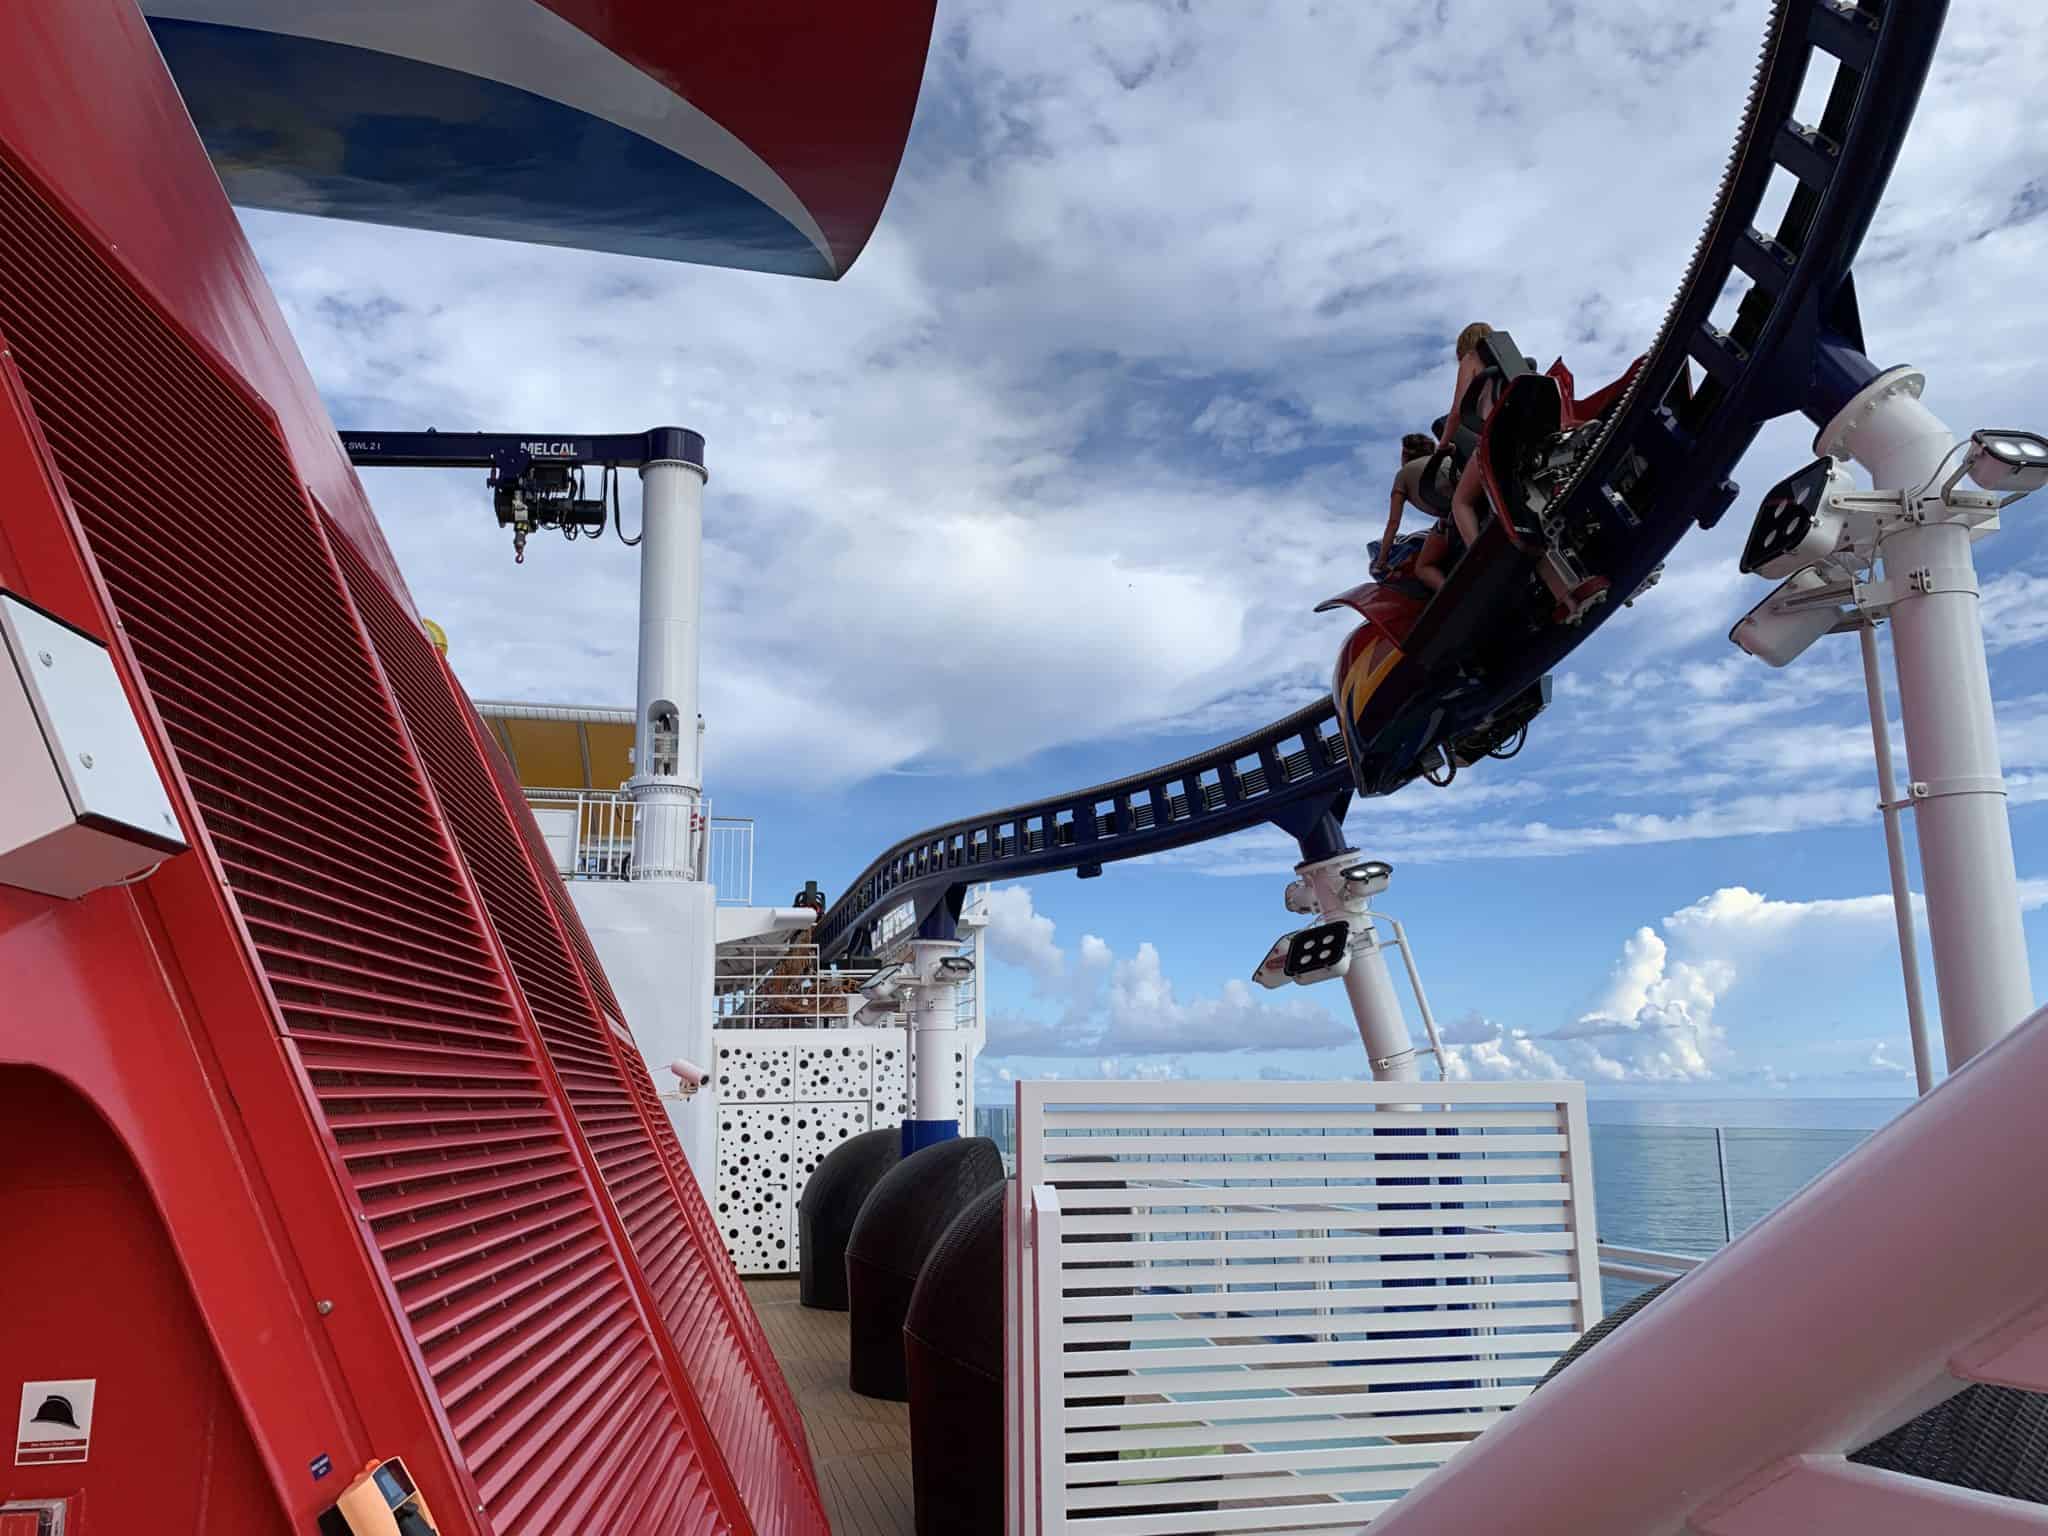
412, 1181
90, 112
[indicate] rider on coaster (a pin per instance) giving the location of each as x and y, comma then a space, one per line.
1416, 451
1573, 602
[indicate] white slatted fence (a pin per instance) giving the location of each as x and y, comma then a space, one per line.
1267, 1307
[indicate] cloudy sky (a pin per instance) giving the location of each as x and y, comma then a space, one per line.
1045, 489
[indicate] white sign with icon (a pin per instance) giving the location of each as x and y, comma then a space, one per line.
55, 1424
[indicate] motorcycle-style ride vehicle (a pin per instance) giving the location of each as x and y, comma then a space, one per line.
1428, 684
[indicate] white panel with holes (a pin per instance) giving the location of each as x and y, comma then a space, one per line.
833, 1067
786, 1097
818, 1128
892, 1081
755, 1152
755, 1073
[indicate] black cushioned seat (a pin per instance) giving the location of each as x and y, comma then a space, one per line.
1991, 1439
896, 1230
953, 1360
826, 1211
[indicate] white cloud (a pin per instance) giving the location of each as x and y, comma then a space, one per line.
1110, 401
2014, 607
1122, 1007
1500, 1055
1020, 935
1656, 1019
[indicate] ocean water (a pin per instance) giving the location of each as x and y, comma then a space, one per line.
1684, 1176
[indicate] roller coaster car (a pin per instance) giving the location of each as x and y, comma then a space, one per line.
1428, 684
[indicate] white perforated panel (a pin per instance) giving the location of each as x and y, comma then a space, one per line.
892, 1082
786, 1097
818, 1128
755, 1074
834, 1070
755, 1155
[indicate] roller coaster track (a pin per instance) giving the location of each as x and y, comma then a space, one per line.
1659, 468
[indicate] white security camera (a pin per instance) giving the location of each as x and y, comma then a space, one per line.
1301, 895
689, 1078
1802, 609
883, 986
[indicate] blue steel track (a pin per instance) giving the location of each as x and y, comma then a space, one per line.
1659, 468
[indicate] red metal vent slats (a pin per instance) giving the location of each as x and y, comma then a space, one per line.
704, 1227
742, 1392
477, 1199
696, 1211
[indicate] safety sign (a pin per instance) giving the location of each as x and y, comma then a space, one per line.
55, 1424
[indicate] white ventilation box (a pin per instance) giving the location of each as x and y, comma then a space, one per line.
82, 805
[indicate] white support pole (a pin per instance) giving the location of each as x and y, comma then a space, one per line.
933, 1017
1958, 792
1436, 1041
667, 753
1895, 854
1377, 1007
1382, 1026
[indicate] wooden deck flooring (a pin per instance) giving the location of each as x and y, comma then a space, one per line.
861, 1447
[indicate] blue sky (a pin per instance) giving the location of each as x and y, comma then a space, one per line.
1045, 489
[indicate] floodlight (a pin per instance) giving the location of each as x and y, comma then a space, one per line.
1319, 952
2009, 461
1301, 896
1307, 955
1799, 523
954, 967
1367, 879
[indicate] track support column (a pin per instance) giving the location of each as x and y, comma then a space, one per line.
933, 1028
1341, 894
1957, 791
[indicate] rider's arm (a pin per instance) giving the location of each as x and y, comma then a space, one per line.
1393, 528
1469, 367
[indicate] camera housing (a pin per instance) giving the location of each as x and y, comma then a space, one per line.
689, 1077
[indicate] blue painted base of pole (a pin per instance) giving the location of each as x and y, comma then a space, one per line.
928, 1133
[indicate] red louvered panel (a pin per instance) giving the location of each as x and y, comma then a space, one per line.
745, 1399
475, 1196
696, 1211
697, 1214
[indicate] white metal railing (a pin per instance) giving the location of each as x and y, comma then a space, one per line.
779, 986
1644, 1266
590, 834
729, 859
1249, 1306
589, 831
